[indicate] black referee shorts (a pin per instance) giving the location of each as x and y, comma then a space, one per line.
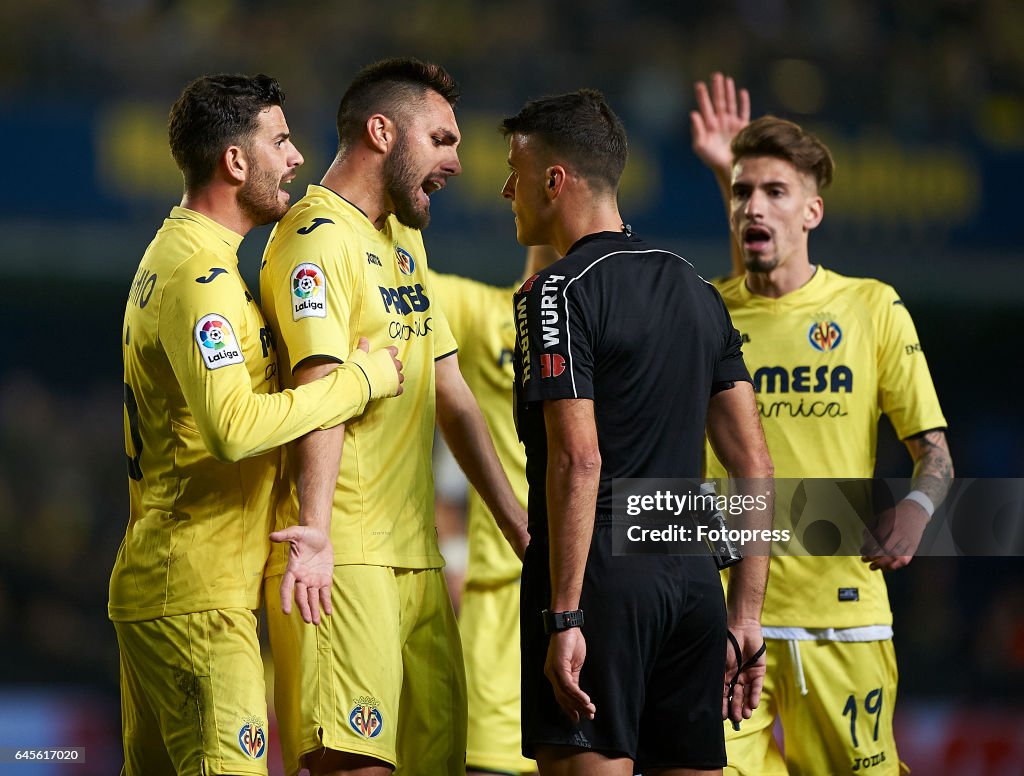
655, 630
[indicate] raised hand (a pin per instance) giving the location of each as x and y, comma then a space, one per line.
721, 113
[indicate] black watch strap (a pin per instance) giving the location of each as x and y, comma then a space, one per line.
556, 622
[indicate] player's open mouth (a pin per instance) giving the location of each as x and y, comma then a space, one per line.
281, 189
431, 185
756, 238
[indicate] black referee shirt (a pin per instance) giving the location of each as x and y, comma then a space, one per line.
636, 330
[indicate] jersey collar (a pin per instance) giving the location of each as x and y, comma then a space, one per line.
232, 238
809, 289
314, 188
613, 236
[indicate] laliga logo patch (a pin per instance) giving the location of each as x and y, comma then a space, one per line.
825, 335
309, 292
365, 718
405, 261
252, 739
216, 340
306, 282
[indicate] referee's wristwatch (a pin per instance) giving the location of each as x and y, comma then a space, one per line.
556, 622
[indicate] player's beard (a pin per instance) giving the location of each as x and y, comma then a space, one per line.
760, 263
259, 198
402, 187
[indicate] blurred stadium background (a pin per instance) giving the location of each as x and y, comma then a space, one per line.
922, 102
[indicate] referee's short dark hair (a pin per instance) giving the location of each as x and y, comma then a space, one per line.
580, 129
772, 136
389, 87
212, 113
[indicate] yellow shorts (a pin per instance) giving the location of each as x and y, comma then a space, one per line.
381, 677
193, 699
843, 724
489, 621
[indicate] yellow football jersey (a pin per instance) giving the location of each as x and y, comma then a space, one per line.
827, 360
480, 317
328, 278
199, 400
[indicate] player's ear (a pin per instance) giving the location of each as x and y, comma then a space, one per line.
235, 163
813, 213
554, 180
380, 132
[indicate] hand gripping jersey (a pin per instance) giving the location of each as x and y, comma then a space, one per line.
480, 318
827, 360
328, 278
201, 410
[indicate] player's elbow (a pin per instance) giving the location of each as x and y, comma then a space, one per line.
580, 463
761, 466
227, 445
226, 451
588, 465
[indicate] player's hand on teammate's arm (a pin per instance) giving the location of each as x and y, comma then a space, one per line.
721, 113
896, 536
566, 652
310, 572
382, 368
747, 691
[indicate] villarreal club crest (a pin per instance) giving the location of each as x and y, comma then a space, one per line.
365, 718
825, 335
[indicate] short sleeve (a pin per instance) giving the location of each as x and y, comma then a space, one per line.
559, 363
730, 367
312, 278
906, 393
444, 340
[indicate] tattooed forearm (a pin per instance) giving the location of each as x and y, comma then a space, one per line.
933, 465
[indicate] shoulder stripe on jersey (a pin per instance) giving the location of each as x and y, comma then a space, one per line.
565, 298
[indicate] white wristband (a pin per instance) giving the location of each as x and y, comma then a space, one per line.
921, 498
